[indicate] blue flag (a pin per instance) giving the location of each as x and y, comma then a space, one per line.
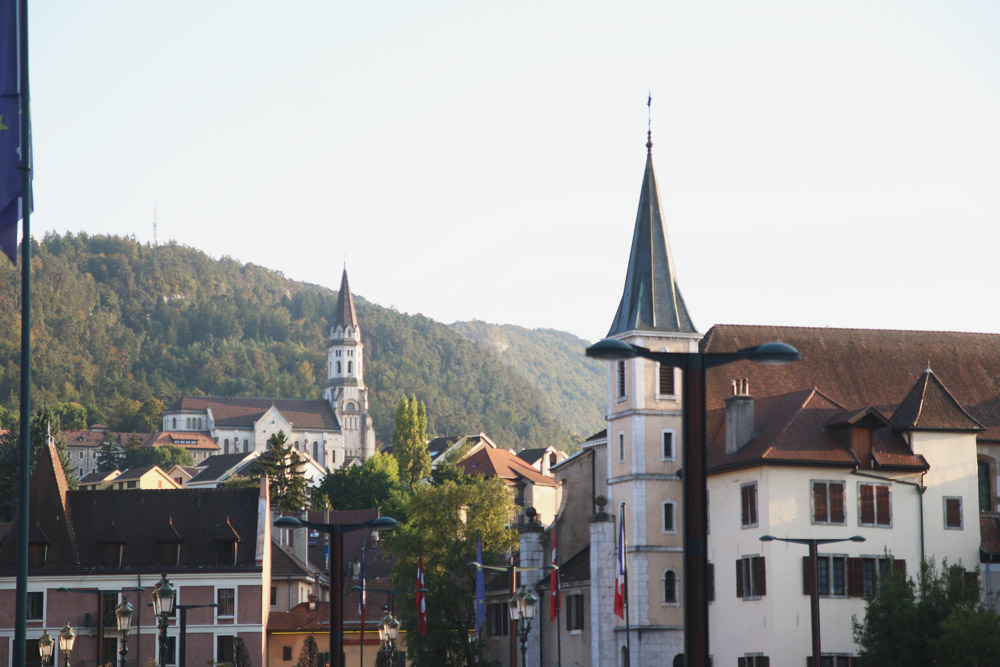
11, 175
480, 586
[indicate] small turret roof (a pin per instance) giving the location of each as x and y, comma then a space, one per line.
343, 314
651, 300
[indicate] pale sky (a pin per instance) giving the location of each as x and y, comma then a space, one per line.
819, 164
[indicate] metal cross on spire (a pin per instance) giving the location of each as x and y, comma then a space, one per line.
649, 130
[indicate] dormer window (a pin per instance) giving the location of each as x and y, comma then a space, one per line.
170, 553
225, 552
37, 554
111, 554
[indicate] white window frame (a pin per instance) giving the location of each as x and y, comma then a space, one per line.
829, 558
218, 611
663, 515
756, 501
677, 589
667, 397
621, 447
621, 381
876, 523
673, 444
812, 502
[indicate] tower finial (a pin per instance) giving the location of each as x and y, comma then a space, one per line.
649, 129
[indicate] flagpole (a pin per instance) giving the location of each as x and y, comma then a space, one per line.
628, 639
24, 456
421, 612
363, 605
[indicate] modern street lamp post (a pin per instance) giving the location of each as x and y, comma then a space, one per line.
66, 640
522, 609
694, 461
123, 614
336, 569
45, 646
813, 544
164, 599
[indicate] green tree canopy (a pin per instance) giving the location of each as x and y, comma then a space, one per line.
409, 441
938, 618
373, 484
309, 655
165, 456
443, 521
110, 457
285, 478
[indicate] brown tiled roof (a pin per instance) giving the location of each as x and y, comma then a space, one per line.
989, 534
491, 462
98, 476
185, 439
865, 367
214, 467
95, 436
929, 406
285, 564
244, 412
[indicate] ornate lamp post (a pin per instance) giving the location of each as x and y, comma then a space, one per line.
45, 646
387, 633
66, 640
336, 532
164, 599
693, 454
522, 610
123, 613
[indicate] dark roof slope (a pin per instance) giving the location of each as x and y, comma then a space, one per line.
343, 312
929, 406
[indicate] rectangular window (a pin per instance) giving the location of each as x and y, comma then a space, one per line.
863, 574
834, 660
666, 445
828, 503
748, 505
274, 595
621, 380
874, 505
36, 605
286, 653
669, 517
666, 381
225, 649
953, 513
750, 578
108, 603
574, 612
621, 447
226, 597
831, 576
753, 660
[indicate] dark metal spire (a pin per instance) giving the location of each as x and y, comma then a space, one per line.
651, 300
343, 314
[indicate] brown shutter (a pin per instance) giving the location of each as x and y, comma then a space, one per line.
855, 578
739, 577
666, 379
761, 584
764, 661
820, 513
882, 502
570, 611
806, 576
809, 661
837, 510
867, 504
753, 504
711, 582
953, 513
900, 566
745, 505
741, 662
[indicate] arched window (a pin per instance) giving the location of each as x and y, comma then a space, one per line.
350, 367
315, 450
225, 446
669, 587
338, 368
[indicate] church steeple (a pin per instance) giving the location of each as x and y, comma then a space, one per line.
651, 300
344, 315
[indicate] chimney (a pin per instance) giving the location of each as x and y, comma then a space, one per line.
739, 416
312, 602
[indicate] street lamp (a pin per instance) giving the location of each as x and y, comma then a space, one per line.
387, 633
66, 640
45, 646
337, 567
813, 543
123, 613
522, 610
511, 571
694, 459
164, 599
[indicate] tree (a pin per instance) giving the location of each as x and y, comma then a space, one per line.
72, 416
373, 484
409, 441
165, 456
285, 477
939, 618
241, 654
146, 419
109, 456
43, 425
444, 520
309, 655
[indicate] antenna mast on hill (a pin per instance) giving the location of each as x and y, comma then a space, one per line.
156, 241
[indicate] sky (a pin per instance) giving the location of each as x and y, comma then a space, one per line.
819, 164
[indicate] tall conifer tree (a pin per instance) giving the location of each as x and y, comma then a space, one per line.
409, 442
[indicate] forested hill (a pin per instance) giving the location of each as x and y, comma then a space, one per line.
117, 323
573, 386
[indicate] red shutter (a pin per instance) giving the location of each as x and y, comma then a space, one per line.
867, 504
837, 510
953, 513
739, 577
806, 576
761, 583
855, 578
745, 505
820, 513
882, 503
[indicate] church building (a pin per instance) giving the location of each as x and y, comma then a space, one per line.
335, 430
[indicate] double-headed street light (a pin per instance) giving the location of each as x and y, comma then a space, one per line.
336, 569
66, 640
522, 609
45, 646
164, 600
694, 462
388, 630
813, 544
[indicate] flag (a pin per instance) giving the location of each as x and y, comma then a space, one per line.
554, 583
361, 596
421, 596
11, 174
620, 594
480, 586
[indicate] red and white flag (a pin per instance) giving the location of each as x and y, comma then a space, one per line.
421, 597
620, 591
554, 582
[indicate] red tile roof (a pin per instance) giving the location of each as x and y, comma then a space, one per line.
185, 439
491, 462
989, 534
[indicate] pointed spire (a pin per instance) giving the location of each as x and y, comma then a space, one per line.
651, 300
343, 314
